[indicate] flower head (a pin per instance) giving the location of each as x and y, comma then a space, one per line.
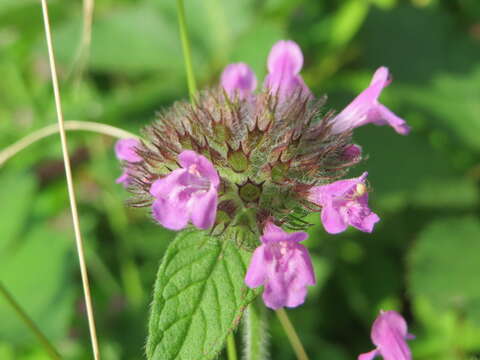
283, 266
125, 151
389, 334
238, 79
187, 194
365, 108
344, 202
284, 64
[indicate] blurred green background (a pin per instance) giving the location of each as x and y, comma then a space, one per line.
424, 257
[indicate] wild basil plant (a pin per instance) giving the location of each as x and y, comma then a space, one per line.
236, 173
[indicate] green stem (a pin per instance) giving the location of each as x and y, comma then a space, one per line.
255, 332
231, 349
187, 56
49, 348
291, 334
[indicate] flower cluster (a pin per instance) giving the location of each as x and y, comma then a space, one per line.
260, 161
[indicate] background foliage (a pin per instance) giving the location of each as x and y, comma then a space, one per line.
424, 257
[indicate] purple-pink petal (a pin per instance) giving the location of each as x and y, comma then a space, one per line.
285, 57
386, 323
164, 187
344, 202
389, 334
256, 272
369, 356
352, 152
381, 115
187, 194
284, 64
332, 220
238, 80
172, 215
123, 179
367, 223
283, 266
199, 164
125, 150
365, 108
204, 209
306, 272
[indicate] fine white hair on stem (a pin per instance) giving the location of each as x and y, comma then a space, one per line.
71, 191
255, 333
70, 125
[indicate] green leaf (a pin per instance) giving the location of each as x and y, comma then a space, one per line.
348, 21
443, 265
37, 273
253, 46
16, 192
440, 186
452, 99
133, 39
199, 296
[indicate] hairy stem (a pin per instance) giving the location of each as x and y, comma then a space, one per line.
72, 125
187, 56
255, 332
231, 349
71, 190
49, 348
291, 334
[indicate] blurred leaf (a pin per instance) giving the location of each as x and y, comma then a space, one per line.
131, 39
253, 47
16, 193
384, 4
446, 335
6, 351
446, 193
443, 265
214, 28
454, 100
9, 5
36, 273
347, 21
415, 52
285, 7
401, 166
199, 297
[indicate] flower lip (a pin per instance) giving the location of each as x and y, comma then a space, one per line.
187, 194
283, 266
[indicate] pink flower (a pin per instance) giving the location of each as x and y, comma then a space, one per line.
238, 79
284, 64
344, 202
187, 194
389, 334
283, 266
125, 151
365, 108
